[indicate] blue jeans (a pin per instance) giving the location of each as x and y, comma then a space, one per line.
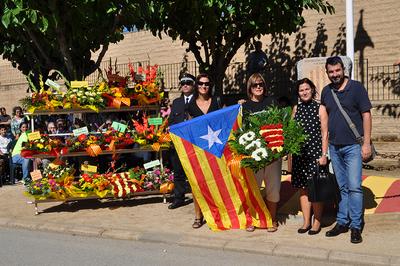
347, 165
18, 159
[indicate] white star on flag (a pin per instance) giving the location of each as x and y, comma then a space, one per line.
212, 137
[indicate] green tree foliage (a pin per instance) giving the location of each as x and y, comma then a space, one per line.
39, 36
216, 29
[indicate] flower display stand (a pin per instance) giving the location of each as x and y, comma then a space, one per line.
36, 202
155, 108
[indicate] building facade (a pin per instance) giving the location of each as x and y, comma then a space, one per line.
377, 42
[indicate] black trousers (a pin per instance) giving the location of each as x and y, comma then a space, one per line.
180, 181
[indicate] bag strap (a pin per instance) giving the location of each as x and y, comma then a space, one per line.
347, 118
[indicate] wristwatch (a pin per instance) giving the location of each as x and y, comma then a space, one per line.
325, 154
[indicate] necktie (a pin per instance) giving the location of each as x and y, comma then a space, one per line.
186, 108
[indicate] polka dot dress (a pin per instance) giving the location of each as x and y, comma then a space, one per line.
304, 165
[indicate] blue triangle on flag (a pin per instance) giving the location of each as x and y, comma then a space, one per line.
209, 132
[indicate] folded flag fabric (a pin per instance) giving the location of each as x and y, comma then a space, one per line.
228, 199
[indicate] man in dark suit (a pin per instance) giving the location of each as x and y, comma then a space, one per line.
178, 115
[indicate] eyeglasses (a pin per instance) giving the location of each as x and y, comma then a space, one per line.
207, 84
186, 82
255, 85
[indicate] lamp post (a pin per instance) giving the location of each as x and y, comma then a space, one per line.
350, 34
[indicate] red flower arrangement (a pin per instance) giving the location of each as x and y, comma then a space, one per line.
146, 85
273, 136
156, 136
44, 145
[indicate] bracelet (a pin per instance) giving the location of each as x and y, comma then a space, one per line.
325, 154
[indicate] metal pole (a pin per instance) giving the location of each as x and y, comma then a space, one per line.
350, 33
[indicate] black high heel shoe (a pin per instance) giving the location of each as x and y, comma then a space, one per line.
312, 232
303, 230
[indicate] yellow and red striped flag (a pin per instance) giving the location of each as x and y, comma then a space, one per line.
228, 200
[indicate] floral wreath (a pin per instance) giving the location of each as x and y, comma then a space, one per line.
266, 136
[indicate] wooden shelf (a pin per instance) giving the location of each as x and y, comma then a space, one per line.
135, 194
104, 152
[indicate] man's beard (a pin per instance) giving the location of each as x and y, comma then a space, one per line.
337, 81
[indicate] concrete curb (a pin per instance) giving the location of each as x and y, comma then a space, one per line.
256, 247
352, 258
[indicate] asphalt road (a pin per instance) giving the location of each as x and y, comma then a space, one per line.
20, 247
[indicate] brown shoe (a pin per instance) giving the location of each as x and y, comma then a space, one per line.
274, 228
198, 222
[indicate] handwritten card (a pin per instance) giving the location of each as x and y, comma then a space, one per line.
89, 168
79, 84
36, 175
156, 121
151, 164
118, 126
80, 131
34, 135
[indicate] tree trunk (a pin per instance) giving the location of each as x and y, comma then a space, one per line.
217, 73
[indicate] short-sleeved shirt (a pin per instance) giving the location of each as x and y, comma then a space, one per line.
252, 106
18, 146
4, 141
354, 100
5, 118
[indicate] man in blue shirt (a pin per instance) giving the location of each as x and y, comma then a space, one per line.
345, 150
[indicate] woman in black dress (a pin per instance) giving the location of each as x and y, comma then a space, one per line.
203, 103
314, 149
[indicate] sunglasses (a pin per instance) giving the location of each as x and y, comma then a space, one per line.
203, 83
255, 85
186, 82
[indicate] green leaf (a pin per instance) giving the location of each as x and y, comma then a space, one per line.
33, 16
5, 20
111, 10
44, 24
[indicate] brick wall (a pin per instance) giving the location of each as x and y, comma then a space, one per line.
376, 27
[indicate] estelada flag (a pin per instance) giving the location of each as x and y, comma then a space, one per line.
228, 200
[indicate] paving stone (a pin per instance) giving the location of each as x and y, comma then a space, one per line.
84, 231
53, 227
301, 252
357, 258
394, 260
4, 221
203, 242
251, 246
23, 224
159, 237
120, 234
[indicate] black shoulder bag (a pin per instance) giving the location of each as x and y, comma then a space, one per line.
353, 128
322, 186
